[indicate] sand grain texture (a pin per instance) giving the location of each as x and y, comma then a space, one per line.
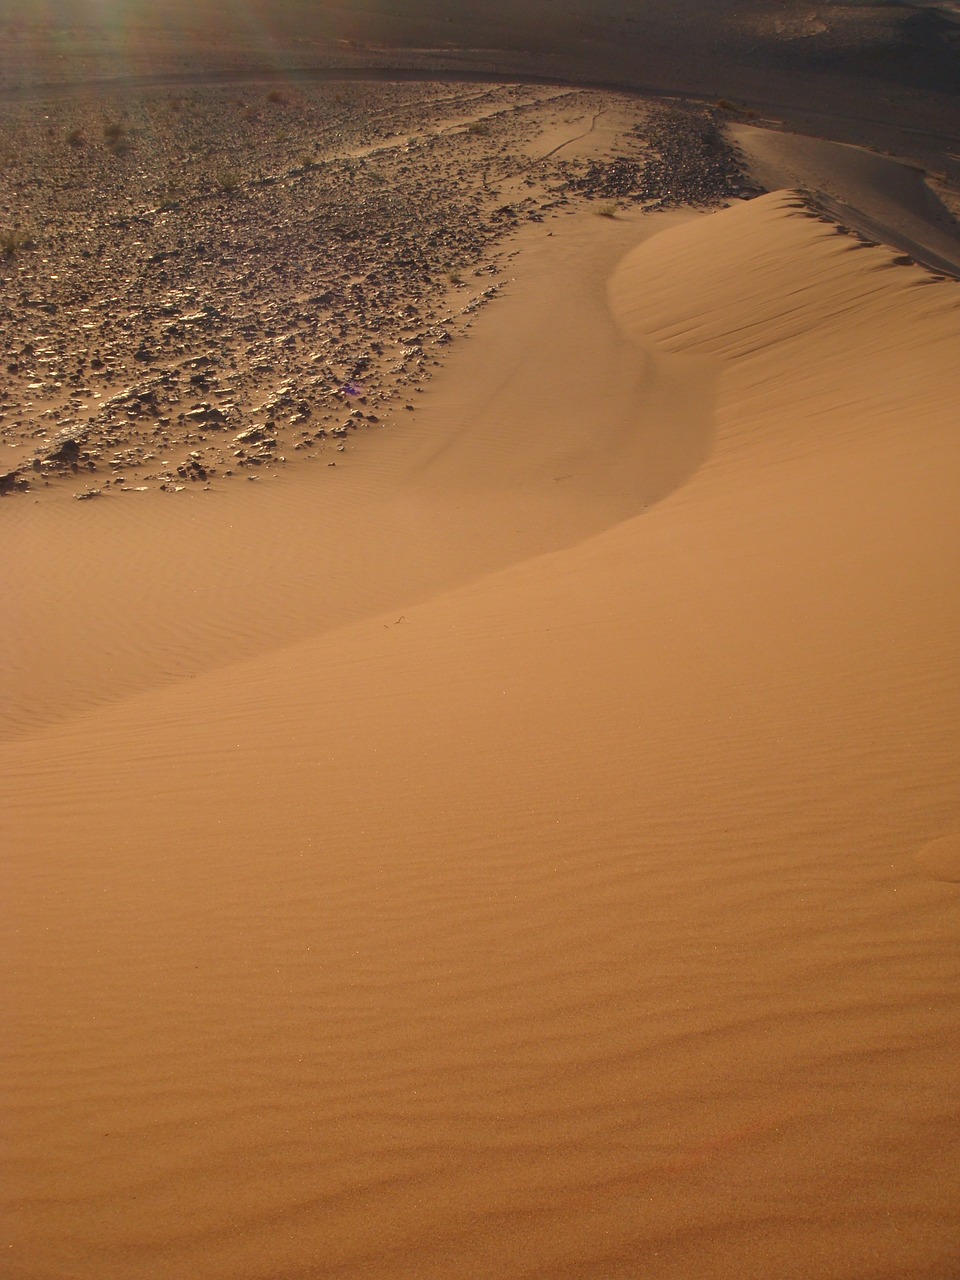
569, 919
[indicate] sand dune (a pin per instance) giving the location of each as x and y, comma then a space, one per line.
122, 598
886, 199
593, 911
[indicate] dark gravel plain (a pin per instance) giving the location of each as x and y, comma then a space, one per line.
220, 281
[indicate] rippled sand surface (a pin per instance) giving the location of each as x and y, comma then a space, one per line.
540, 858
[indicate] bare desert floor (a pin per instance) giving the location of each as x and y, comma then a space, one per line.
529, 847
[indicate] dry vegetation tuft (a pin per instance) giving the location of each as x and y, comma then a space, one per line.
11, 242
115, 136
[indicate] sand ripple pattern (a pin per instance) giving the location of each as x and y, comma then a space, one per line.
571, 927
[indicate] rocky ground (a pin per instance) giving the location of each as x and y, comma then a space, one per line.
224, 281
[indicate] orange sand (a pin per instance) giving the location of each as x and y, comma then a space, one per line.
536, 853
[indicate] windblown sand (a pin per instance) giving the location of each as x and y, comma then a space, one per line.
537, 853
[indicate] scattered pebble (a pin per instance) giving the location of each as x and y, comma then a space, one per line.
205, 293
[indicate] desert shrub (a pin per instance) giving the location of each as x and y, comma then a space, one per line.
115, 136
227, 179
607, 211
479, 128
75, 138
12, 241
276, 96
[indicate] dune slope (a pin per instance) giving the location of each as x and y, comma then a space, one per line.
598, 918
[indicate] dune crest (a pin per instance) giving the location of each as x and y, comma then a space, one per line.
763, 272
887, 199
827, 341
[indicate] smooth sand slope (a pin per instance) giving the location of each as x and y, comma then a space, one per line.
594, 917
